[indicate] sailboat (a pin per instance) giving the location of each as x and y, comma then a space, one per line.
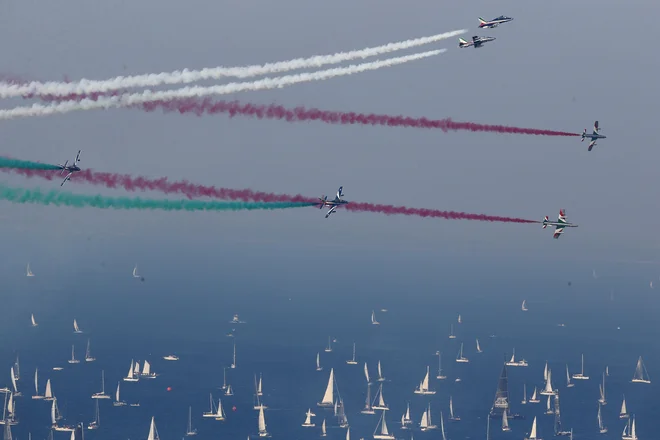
501, 401
258, 393
440, 375
426, 424
602, 428
318, 362
580, 375
479, 350
262, 424
135, 272
524, 401
623, 414
14, 383
373, 318
171, 357
352, 361
405, 418
505, 422
602, 400
153, 432
96, 423
328, 349
548, 409
607, 370
460, 321
146, 371
340, 412
629, 430
383, 434
513, 363
545, 372
308, 419
380, 400
424, 385
532, 434
328, 398
190, 431
569, 384
524, 306
451, 332
641, 375
452, 417
88, 353
36, 396
381, 378
259, 386
534, 398
131, 377
460, 358
229, 391
558, 429
34, 322
118, 402
548, 390
102, 394
29, 271
367, 403
76, 329
73, 359
224, 379
323, 431
233, 364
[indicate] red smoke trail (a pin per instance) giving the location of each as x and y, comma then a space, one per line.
199, 107
234, 108
191, 190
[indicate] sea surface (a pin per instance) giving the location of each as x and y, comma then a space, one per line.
289, 315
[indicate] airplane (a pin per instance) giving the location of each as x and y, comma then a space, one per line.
476, 41
333, 203
71, 169
592, 136
494, 22
560, 224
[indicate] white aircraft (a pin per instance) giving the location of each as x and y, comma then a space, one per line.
560, 224
333, 203
71, 169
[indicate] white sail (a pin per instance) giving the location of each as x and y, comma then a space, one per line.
328, 397
36, 385
602, 400
131, 376
118, 402
406, 417
153, 432
548, 390
220, 415
323, 432
569, 384
424, 423
380, 400
366, 372
34, 321
534, 398
381, 378
76, 329
545, 370
384, 433
49, 392
532, 434
233, 364
10, 405
53, 416
451, 332
190, 430
88, 352
262, 423
505, 421
524, 306
146, 368
524, 401
623, 414
602, 429
367, 403
442, 426
13, 381
641, 375
478, 347
259, 390
136, 370
373, 318
29, 271
318, 362
135, 272
308, 419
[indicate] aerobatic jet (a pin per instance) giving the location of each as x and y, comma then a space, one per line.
494, 22
560, 224
333, 203
70, 169
476, 41
593, 136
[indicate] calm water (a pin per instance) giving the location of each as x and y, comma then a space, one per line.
289, 316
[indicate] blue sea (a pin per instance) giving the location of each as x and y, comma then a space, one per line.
289, 313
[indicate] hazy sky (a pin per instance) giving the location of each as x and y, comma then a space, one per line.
558, 65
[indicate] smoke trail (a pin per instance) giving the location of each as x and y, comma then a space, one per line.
25, 164
431, 213
301, 114
128, 100
191, 190
186, 76
59, 198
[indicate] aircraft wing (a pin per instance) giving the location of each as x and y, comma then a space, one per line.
558, 231
596, 127
333, 209
561, 218
68, 177
591, 145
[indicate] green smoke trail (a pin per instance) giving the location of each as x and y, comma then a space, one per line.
60, 198
25, 164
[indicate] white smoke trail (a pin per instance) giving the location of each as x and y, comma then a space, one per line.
132, 99
186, 76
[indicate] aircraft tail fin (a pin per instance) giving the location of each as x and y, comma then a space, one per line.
482, 21
545, 220
584, 134
462, 42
